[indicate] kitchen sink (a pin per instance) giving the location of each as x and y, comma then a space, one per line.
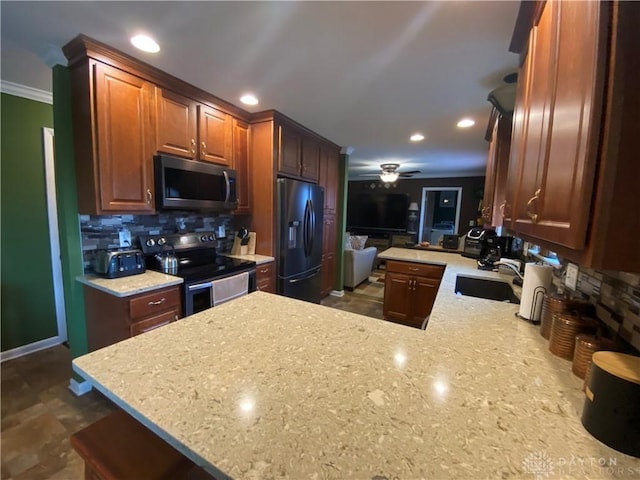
485, 288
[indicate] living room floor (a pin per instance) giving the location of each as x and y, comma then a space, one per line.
39, 412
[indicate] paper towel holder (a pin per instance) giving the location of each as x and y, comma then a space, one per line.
538, 294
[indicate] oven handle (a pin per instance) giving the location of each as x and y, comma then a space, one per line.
199, 286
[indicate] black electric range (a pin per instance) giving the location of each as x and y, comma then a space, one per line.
198, 264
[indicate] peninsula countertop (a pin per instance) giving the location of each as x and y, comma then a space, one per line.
266, 386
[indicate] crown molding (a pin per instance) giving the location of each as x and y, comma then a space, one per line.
26, 92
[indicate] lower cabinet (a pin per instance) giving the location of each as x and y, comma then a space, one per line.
410, 291
266, 277
111, 319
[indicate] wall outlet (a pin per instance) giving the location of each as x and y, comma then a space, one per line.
221, 232
125, 238
571, 279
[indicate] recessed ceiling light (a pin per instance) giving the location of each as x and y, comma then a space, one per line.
145, 43
416, 137
466, 123
249, 99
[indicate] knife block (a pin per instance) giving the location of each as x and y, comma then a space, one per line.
248, 249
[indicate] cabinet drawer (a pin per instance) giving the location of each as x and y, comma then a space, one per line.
154, 322
154, 302
417, 269
264, 271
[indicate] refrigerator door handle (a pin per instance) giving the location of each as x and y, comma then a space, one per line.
312, 225
305, 229
304, 278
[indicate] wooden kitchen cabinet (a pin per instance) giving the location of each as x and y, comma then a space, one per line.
298, 154
265, 160
124, 112
328, 179
190, 129
573, 145
111, 319
497, 168
266, 277
410, 291
177, 124
241, 165
113, 117
328, 254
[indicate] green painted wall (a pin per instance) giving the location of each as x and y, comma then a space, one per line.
28, 305
68, 222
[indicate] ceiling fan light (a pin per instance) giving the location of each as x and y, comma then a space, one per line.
389, 177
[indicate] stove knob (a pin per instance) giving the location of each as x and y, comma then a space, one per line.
212, 238
162, 241
151, 242
203, 238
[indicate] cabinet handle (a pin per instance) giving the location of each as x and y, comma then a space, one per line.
264, 271
193, 146
533, 202
502, 208
149, 196
204, 148
159, 302
414, 269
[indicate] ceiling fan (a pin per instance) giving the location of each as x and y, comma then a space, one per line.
389, 173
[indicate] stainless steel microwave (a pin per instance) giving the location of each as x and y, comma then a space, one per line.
183, 184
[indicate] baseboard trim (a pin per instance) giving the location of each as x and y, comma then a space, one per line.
30, 348
337, 293
79, 388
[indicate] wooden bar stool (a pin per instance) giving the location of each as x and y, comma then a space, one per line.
118, 447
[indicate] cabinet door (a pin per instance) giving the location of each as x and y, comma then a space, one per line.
397, 297
328, 254
329, 179
538, 114
176, 124
516, 154
289, 151
424, 296
567, 174
310, 164
241, 165
125, 137
266, 278
490, 177
215, 136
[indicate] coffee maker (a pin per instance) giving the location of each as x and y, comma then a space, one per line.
475, 243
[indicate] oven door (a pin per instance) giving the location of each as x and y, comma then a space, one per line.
197, 297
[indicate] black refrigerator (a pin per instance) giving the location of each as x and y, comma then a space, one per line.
300, 223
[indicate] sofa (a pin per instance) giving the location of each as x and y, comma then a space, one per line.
358, 263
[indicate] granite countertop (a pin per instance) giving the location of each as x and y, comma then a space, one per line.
132, 285
266, 386
259, 259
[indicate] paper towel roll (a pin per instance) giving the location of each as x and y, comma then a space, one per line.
537, 281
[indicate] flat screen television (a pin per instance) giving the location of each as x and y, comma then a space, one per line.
377, 211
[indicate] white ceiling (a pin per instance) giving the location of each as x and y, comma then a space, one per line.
362, 74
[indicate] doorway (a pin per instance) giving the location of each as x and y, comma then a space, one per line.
439, 213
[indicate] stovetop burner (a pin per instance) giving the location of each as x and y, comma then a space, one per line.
196, 254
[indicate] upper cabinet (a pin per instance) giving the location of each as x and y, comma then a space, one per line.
572, 150
241, 165
497, 166
113, 116
190, 129
126, 111
298, 153
215, 134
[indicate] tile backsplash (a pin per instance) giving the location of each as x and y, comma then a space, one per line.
615, 295
102, 231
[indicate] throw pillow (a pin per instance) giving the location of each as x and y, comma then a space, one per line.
347, 241
358, 241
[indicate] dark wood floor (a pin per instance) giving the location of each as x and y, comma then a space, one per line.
39, 412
